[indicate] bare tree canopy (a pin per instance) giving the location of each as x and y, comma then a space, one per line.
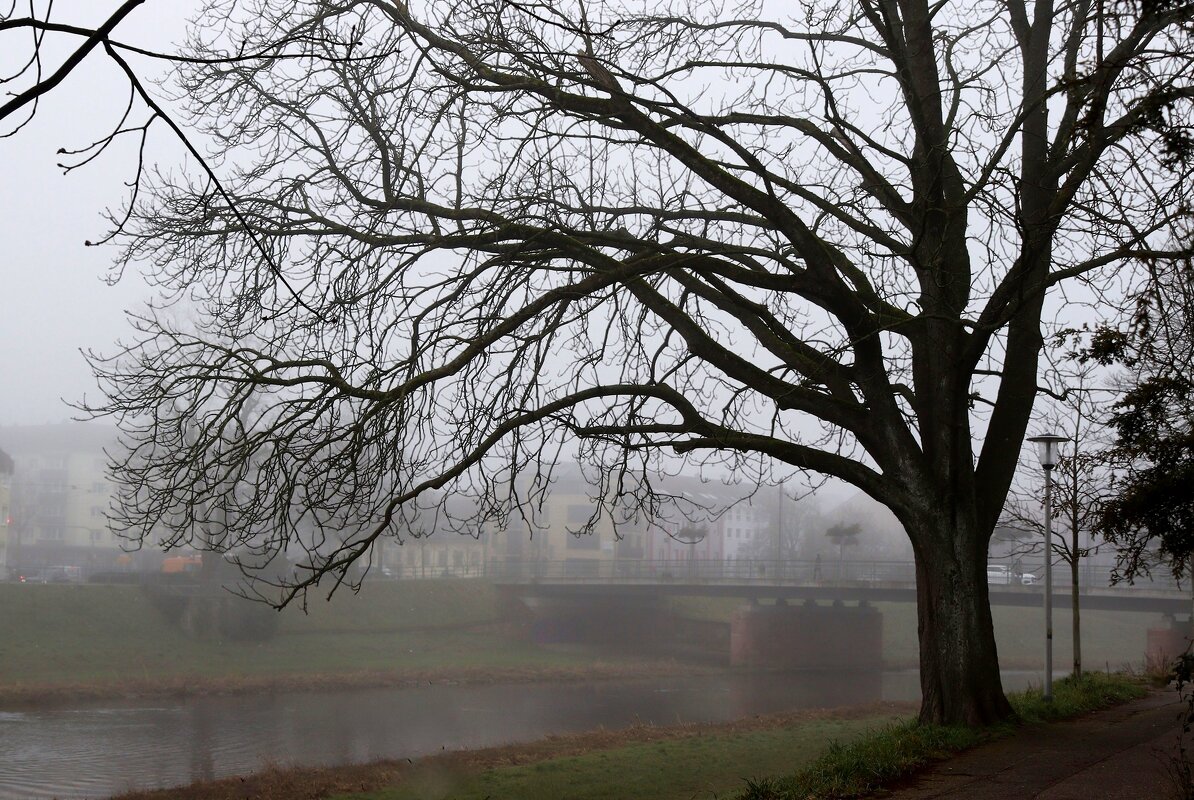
458, 240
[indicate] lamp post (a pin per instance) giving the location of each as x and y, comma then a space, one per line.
1048, 447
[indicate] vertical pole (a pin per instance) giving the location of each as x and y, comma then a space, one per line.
1048, 695
779, 529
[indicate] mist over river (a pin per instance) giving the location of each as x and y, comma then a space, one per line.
99, 749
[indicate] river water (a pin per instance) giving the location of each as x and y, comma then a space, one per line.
98, 750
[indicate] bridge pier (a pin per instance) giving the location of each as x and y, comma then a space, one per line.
807, 636
1165, 644
606, 620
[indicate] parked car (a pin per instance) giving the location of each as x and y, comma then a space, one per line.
63, 574
1003, 575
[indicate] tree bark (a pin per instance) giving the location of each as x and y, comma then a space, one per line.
1075, 599
959, 666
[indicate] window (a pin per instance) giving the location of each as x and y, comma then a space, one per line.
586, 541
579, 514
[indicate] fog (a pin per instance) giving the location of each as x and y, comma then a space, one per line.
125, 665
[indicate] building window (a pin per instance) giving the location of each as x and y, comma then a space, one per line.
579, 514
586, 541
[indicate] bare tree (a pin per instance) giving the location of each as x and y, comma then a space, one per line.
729, 235
1077, 411
25, 34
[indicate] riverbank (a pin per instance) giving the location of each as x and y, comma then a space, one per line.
850, 751
60, 695
828, 753
711, 756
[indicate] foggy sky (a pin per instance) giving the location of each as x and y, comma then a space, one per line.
54, 299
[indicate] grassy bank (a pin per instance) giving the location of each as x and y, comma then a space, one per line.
682, 761
853, 769
1111, 640
84, 640
828, 757
704, 764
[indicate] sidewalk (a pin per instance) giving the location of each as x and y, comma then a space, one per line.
1118, 754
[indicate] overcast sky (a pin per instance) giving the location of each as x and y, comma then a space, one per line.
55, 301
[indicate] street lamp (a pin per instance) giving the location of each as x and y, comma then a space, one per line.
1048, 447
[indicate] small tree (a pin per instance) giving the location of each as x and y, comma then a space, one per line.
1079, 480
843, 535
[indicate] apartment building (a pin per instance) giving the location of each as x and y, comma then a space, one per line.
58, 496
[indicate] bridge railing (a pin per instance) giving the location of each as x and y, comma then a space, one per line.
746, 571
793, 571
699, 570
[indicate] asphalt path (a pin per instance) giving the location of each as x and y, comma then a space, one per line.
1122, 753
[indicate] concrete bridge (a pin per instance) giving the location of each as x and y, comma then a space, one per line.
796, 614
848, 581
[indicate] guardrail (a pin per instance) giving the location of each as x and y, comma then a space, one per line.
798, 572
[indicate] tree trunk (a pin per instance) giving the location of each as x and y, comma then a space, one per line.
959, 666
1077, 612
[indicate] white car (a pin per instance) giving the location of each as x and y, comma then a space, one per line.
1002, 575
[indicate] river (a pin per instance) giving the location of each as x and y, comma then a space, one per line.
99, 749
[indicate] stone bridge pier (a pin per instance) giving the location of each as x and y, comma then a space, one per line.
807, 636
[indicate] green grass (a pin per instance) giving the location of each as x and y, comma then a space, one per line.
853, 769
704, 766
862, 755
81, 634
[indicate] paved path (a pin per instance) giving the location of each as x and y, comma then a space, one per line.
1118, 754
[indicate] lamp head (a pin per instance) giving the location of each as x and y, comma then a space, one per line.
1048, 448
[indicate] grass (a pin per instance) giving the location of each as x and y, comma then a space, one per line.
703, 765
853, 769
86, 634
863, 755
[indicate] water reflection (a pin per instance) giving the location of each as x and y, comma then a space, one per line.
97, 751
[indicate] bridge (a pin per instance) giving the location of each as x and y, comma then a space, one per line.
796, 614
803, 580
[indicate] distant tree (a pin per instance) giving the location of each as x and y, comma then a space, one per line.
457, 240
801, 516
843, 535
